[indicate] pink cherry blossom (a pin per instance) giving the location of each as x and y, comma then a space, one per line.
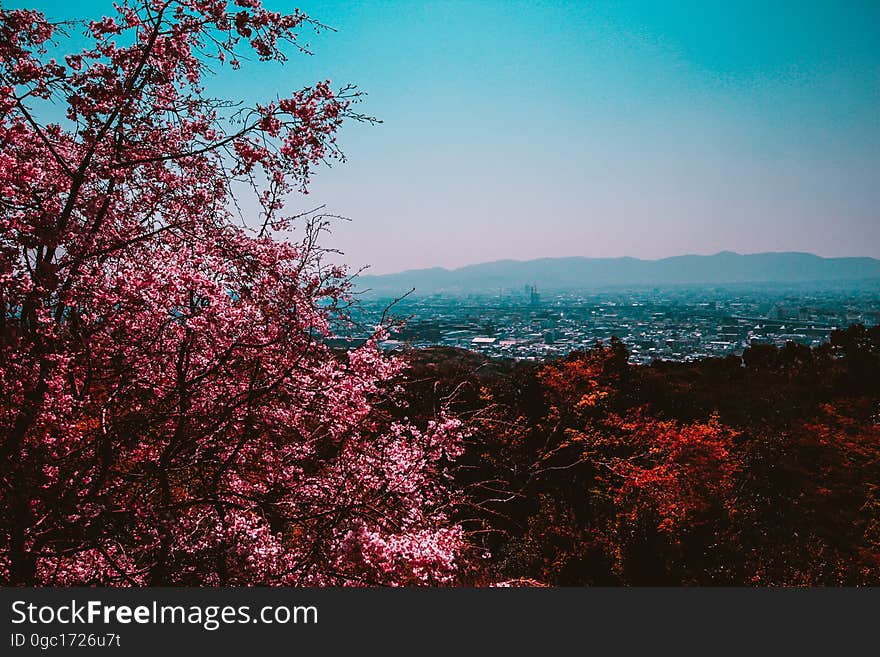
170, 410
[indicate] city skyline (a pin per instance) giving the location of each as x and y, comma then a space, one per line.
679, 323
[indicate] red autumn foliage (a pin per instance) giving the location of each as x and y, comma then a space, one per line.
587, 470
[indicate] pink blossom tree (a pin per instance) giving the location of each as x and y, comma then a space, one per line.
170, 412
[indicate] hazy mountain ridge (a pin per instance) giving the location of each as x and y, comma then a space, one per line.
585, 273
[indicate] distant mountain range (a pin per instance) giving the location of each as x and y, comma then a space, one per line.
725, 268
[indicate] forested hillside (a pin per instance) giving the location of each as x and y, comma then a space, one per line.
760, 470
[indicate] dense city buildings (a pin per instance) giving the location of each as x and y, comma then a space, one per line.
675, 323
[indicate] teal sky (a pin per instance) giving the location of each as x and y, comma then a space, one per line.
529, 129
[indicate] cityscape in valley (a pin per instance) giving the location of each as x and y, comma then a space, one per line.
681, 322
668, 324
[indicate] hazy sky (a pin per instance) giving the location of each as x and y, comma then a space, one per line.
529, 129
